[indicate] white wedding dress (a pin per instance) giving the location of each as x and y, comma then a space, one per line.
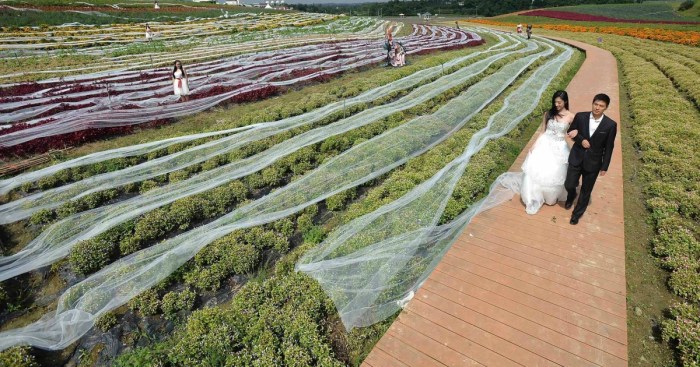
544, 169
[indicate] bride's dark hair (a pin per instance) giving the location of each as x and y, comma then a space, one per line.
553, 111
184, 73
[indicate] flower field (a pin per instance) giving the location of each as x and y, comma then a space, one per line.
654, 11
583, 17
33, 113
664, 102
18, 13
146, 237
689, 38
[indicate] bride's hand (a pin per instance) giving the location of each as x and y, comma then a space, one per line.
572, 134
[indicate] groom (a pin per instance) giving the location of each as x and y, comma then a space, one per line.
590, 155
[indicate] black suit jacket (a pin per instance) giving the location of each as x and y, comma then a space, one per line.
597, 157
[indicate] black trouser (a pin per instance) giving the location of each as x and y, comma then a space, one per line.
572, 176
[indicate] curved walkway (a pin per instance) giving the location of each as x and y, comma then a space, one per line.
520, 290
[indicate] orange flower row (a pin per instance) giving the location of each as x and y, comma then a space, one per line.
689, 38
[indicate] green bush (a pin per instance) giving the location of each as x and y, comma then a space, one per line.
154, 224
17, 357
147, 185
173, 302
178, 176
106, 321
314, 235
225, 257
288, 324
687, 4
685, 279
42, 217
3, 298
129, 245
684, 329
304, 223
91, 255
674, 242
285, 227
147, 303
185, 211
47, 182
338, 201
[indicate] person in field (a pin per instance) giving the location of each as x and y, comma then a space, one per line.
149, 33
180, 81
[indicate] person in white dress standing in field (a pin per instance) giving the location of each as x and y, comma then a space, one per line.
544, 169
180, 81
149, 33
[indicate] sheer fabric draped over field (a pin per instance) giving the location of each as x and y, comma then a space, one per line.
378, 236
132, 97
58, 239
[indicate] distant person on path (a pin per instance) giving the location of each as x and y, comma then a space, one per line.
149, 33
529, 31
180, 82
519, 28
456, 24
156, 6
594, 139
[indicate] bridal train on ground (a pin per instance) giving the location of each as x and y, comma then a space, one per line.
544, 169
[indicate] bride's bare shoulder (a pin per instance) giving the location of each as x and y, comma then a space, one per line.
570, 116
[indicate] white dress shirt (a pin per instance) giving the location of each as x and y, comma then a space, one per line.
593, 124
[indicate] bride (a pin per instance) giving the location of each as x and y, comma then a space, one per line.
544, 169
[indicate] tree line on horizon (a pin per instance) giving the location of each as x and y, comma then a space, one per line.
445, 7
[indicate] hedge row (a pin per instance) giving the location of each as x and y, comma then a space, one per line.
682, 76
668, 137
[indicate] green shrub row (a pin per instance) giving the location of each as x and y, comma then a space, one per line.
670, 154
268, 176
17, 357
683, 77
282, 321
327, 93
93, 254
256, 341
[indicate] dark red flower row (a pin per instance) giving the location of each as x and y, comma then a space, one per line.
580, 17
42, 145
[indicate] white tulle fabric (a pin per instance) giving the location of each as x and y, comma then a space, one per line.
544, 169
388, 252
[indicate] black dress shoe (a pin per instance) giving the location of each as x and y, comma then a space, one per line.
568, 204
574, 220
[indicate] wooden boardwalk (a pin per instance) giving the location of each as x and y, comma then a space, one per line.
521, 290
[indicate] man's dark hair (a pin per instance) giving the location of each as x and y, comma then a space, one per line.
602, 97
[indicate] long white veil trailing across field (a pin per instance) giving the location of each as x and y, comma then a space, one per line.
387, 252
368, 264
57, 240
24, 207
165, 165
130, 98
